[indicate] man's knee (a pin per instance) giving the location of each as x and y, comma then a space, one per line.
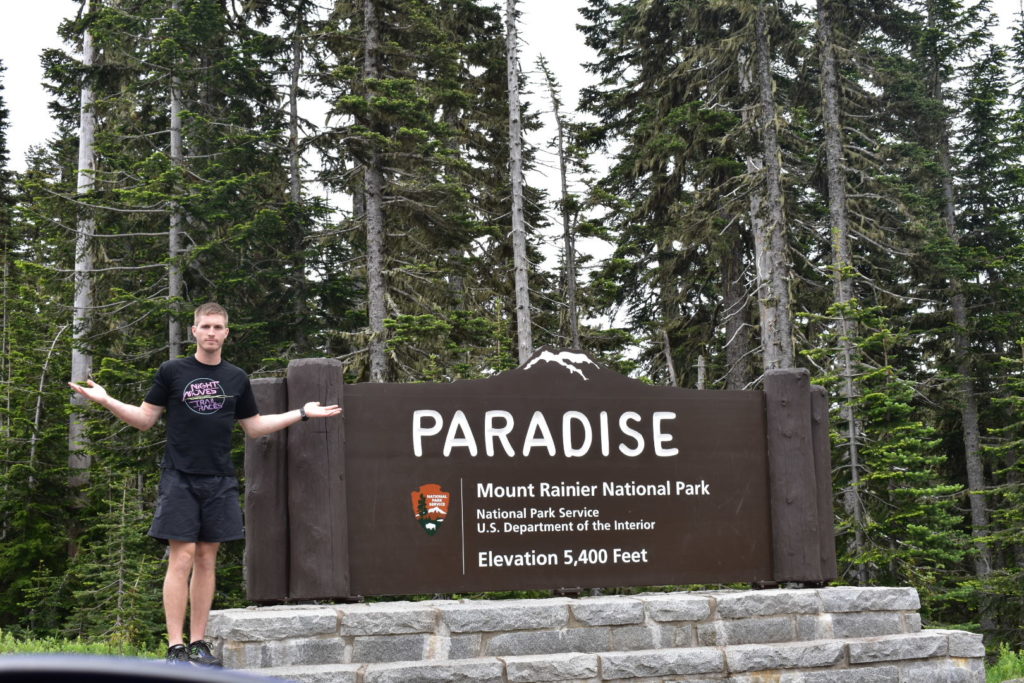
181, 557
206, 555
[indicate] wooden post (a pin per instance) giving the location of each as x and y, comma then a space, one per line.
266, 501
823, 474
317, 501
793, 485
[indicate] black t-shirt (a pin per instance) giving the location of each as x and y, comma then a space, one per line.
203, 402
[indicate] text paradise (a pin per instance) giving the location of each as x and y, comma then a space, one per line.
497, 432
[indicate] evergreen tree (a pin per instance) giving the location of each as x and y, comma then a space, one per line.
678, 195
521, 264
226, 179
989, 192
428, 115
910, 527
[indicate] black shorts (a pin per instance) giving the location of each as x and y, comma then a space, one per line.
197, 507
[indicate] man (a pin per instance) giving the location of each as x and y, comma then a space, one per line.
198, 504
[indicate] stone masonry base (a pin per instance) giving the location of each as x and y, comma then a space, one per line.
842, 634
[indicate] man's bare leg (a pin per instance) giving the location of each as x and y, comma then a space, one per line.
176, 589
201, 590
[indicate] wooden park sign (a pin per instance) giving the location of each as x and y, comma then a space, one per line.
560, 474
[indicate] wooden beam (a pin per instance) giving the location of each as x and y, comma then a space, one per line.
266, 501
791, 475
822, 445
317, 500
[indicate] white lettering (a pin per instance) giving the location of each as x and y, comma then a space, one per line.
501, 433
538, 423
452, 440
605, 448
588, 437
629, 431
660, 438
419, 431
492, 490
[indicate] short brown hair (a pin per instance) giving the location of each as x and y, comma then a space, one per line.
210, 308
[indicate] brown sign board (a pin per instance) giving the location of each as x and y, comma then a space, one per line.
560, 474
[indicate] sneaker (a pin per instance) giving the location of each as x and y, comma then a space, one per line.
177, 654
199, 653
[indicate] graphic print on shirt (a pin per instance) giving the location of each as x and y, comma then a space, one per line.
204, 396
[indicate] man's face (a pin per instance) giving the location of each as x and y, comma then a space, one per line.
210, 332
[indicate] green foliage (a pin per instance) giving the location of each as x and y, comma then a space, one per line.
899, 522
12, 645
1009, 665
933, 142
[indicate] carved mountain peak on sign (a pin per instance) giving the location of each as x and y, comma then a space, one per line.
572, 361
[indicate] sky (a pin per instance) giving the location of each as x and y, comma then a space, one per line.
26, 28
546, 27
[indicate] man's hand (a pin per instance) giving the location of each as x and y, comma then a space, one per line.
261, 425
93, 392
141, 417
314, 409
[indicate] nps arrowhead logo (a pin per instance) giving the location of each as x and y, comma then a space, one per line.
430, 506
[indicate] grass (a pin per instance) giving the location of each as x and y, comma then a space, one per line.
1009, 665
10, 645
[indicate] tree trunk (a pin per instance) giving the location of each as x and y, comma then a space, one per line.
666, 345
572, 327
81, 361
175, 281
374, 183
766, 210
295, 185
737, 317
964, 368
842, 265
961, 348
524, 325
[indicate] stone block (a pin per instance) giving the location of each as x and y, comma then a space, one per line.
466, 646
747, 631
911, 622
386, 618
608, 611
336, 673
548, 642
241, 655
634, 638
821, 653
505, 615
559, 667
880, 599
287, 652
864, 635
866, 624
900, 647
677, 607
665, 663
963, 643
869, 674
397, 648
740, 604
481, 670
299, 651
944, 671
253, 624
676, 635
814, 627
882, 674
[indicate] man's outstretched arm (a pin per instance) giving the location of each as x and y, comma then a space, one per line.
261, 425
141, 416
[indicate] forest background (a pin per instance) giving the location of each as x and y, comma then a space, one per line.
760, 183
